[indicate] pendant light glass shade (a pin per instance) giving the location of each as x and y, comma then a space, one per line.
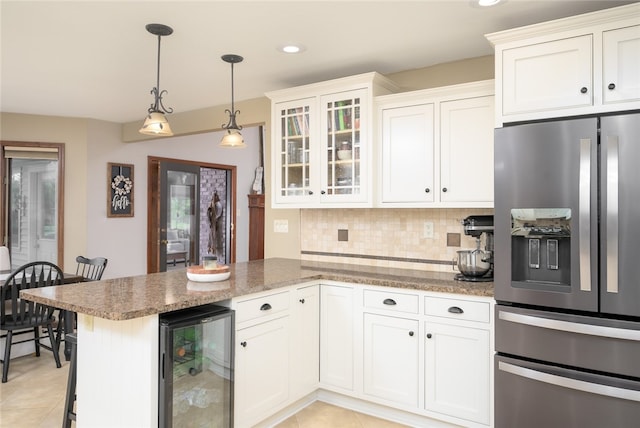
156, 123
232, 138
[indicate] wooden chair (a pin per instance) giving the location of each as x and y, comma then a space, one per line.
91, 269
18, 316
70, 399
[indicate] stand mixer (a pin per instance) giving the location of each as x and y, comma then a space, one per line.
477, 265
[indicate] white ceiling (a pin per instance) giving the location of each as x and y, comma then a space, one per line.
95, 59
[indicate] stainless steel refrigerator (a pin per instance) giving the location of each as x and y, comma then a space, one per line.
196, 368
567, 258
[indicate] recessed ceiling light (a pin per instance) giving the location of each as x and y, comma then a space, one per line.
487, 3
291, 48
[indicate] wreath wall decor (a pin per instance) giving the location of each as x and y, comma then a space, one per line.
119, 190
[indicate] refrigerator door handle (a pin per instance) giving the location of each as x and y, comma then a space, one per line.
571, 327
566, 382
612, 214
584, 214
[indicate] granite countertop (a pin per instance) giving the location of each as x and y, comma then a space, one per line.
139, 296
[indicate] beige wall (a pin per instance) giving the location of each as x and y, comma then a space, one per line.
74, 133
451, 73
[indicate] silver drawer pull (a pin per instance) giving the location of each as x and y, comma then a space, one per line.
389, 302
455, 310
565, 382
571, 327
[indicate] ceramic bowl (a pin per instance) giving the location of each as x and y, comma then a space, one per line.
344, 154
200, 274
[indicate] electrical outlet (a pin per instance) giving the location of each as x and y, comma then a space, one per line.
428, 229
281, 226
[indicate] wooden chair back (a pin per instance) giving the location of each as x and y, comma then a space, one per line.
91, 269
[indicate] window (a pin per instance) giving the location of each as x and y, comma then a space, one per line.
32, 201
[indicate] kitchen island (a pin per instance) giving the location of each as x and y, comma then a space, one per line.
118, 323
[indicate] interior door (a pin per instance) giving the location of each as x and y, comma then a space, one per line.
179, 215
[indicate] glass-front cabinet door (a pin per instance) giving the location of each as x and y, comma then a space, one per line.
295, 151
345, 147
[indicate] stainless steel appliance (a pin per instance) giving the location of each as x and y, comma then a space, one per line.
196, 367
477, 264
567, 235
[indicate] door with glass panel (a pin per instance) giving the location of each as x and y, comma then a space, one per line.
296, 177
179, 202
346, 148
31, 203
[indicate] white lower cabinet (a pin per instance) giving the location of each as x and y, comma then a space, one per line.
391, 358
425, 357
262, 370
277, 351
337, 337
305, 341
457, 362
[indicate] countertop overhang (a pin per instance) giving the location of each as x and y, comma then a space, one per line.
139, 296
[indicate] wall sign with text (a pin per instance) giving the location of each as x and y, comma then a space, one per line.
119, 190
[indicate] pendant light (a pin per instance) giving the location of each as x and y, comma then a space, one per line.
232, 138
156, 123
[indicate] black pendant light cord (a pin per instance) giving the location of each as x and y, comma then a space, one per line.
232, 59
157, 106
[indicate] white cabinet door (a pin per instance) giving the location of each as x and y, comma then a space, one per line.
305, 343
621, 65
295, 168
457, 371
261, 371
346, 147
408, 154
548, 76
466, 150
336, 336
391, 358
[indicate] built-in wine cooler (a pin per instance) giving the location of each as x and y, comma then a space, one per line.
196, 368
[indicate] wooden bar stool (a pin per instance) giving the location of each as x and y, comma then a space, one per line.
69, 414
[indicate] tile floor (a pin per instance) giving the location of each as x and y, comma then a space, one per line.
34, 398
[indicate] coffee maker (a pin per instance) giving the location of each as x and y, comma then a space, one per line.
477, 265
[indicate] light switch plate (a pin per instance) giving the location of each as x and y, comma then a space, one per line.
281, 226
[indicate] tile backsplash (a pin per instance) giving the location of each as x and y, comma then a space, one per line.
386, 237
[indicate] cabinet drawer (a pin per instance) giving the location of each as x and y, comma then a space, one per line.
391, 301
262, 307
458, 309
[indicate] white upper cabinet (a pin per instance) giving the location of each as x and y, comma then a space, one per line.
408, 154
584, 64
621, 65
436, 147
547, 76
466, 151
322, 142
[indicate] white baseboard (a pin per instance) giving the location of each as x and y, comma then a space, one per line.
355, 404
